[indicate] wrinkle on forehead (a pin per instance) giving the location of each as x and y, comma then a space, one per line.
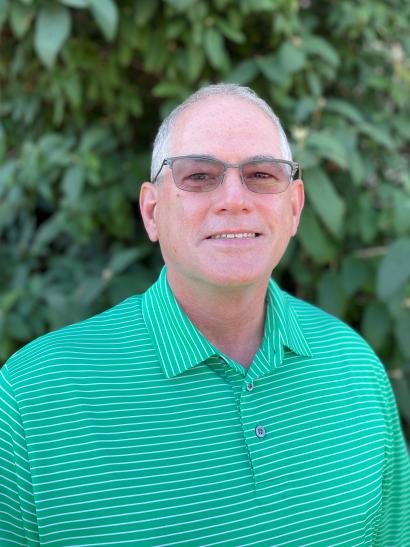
224, 120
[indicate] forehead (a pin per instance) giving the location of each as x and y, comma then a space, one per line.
228, 127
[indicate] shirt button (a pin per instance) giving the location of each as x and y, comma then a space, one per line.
260, 431
250, 386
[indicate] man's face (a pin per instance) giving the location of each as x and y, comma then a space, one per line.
231, 129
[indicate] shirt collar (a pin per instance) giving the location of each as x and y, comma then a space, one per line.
179, 343
282, 322
181, 346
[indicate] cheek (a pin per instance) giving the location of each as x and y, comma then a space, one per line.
181, 218
281, 219
170, 227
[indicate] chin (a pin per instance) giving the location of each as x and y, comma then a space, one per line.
236, 279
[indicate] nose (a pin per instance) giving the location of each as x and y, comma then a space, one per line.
232, 196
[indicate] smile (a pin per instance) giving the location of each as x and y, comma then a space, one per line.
234, 236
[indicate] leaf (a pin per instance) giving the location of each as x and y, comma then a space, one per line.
20, 18
258, 5
122, 259
402, 126
346, 109
365, 219
331, 296
2, 334
375, 324
229, 32
402, 394
93, 138
243, 73
314, 240
195, 62
314, 83
357, 167
8, 299
328, 146
378, 134
306, 158
291, 58
156, 55
169, 89
322, 48
4, 8
394, 269
215, 49
304, 107
354, 274
402, 331
3, 144
17, 327
144, 11
75, 3
325, 200
106, 16
72, 89
53, 26
401, 209
8, 172
88, 290
48, 232
272, 69
180, 4
175, 29
73, 183
221, 4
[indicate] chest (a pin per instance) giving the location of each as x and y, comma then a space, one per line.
201, 462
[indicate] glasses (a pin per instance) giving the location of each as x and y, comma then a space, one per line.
263, 175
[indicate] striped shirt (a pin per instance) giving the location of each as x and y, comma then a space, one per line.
130, 428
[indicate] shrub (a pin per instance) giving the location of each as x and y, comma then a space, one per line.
84, 85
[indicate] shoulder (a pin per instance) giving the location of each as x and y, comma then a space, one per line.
329, 335
342, 354
317, 322
93, 336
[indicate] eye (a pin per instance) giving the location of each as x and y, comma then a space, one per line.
199, 176
260, 175
265, 172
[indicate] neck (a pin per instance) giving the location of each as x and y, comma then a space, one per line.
233, 319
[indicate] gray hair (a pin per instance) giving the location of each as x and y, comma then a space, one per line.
161, 142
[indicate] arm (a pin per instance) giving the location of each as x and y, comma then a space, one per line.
394, 524
18, 524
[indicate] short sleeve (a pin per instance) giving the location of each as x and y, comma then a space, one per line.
18, 525
394, 523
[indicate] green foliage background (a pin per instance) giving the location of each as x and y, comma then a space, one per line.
84, 84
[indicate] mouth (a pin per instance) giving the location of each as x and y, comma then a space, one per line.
238, 235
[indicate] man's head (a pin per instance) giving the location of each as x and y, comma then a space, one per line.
162, 140
232, 236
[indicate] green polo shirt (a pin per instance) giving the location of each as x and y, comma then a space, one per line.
130, 428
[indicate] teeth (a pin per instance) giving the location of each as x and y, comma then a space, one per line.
234, 236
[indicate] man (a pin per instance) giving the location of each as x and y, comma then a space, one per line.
214, 409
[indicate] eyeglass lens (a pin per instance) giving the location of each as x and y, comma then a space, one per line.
204, 175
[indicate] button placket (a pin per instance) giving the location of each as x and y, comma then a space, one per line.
256, 431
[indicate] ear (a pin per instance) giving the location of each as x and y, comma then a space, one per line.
148, 208
297, 201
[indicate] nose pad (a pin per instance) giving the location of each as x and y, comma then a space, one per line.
238, 174
233, 196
